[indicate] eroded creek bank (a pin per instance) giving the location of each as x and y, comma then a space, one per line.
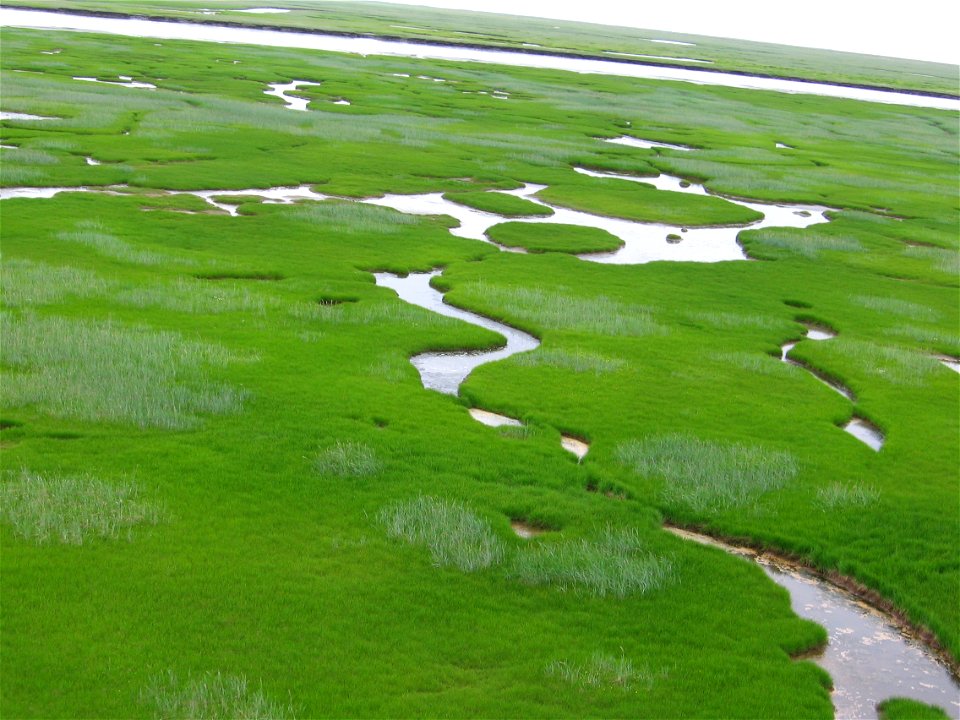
870, 655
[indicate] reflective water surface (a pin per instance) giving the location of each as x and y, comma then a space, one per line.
868, 656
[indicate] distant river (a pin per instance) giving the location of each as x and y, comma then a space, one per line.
208, 32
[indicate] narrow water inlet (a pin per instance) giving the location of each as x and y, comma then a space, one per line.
865, 432
446, 371
575, 446
293, 102
492, 419
869, 656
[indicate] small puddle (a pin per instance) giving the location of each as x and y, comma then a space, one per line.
341, 101
646, 144
123, 81
280, 90
819, 333
446, 371
865, 432
577, 447
868, 656
24, 116
524, 530
91, 161
492, 419
670, 42
784, 147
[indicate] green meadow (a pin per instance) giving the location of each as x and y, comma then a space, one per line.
226, 493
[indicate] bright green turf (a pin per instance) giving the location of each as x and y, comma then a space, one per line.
903, 709
286, 422
499, 204
553, 237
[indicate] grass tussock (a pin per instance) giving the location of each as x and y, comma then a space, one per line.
896, 365
578, 361
559, 311
705, 476
353, 218
614, 562
838, 496
895, 306
348, 459
73, 509
454, 535
211, 696
603, 670
91, 234
106, 371
28, 283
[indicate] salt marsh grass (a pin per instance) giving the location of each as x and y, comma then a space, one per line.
705, 476
72, 509
211, 696
894, 364
578, 361
353, 217
752, 362
614, 562
91, 234
808, 243
946, 261
454, 535
347, 459
31, 283
838, 496
559, 311
602, 670
105, 371
194, 296
894, 306
732, 320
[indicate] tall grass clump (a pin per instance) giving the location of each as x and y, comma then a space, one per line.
614, 562
194, 296
706, 476
454, 535
559, 311
897, 365
353, 217
91, 234
602, 670
106, 371
838, 496
578, 361
347, 459
35, 283
895, 306
73, 508
211, 696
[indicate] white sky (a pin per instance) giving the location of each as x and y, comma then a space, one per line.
920, 29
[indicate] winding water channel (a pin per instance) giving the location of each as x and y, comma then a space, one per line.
869, 656
209, 32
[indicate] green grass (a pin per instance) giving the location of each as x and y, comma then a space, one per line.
454, 535
553, 237
635, 201
105, 371
613, 562
211, 696
499, 204
840, 497
905, 709
603, 671
702, 475
73, 509
578, 361
347, 459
